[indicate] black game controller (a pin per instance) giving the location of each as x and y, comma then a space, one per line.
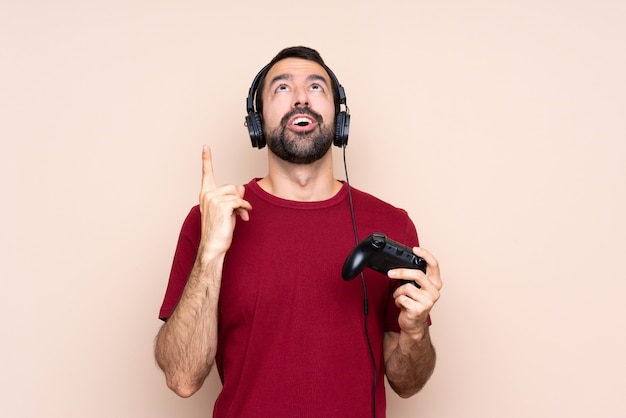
381, 254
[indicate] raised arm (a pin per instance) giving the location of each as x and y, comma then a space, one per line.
409, 355
186, 343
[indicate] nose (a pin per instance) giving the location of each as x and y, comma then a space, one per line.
301, 98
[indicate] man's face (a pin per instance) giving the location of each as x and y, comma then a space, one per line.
298, 111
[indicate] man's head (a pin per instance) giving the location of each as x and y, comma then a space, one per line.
301, 52
297, 101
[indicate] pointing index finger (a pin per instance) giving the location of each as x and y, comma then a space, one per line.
208, 179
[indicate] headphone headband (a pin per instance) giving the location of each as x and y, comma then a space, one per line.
253, 88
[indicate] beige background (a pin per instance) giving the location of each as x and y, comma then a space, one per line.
499, 125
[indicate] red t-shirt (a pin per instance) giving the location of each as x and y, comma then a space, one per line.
291, 338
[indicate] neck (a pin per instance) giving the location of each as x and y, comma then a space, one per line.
300, 182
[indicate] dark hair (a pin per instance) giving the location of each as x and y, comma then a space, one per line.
301, 52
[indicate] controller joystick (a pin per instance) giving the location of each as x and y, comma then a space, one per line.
381, 254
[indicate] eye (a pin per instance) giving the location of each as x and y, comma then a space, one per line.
282, 88
316, 87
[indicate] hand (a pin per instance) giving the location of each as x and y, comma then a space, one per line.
219, 207
415, 304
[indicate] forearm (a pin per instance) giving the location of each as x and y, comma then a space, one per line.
411, 363
186, 344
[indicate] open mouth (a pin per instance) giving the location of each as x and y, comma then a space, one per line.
302, 123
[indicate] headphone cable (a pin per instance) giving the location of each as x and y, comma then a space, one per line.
365, 300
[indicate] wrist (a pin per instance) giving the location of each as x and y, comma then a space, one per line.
409, 340
208, 265
209, 253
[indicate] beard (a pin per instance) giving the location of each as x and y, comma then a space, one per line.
300, 147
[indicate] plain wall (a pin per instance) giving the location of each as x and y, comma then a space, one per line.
499, 125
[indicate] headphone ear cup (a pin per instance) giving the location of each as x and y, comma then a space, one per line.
255, 129
342, 129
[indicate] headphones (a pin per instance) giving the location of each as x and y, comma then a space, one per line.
255, 125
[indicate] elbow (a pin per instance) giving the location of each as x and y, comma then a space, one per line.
407, 387
184, 391
182, 378
184, 388
184, 383
406, 393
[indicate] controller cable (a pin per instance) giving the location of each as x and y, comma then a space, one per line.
365, 300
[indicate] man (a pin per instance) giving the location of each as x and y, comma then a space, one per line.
256, 285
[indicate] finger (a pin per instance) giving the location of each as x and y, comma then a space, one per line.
415, 300
243, 214
421, 294
415, 275
229, 199
242, 211
413, 309
433, 271
208, 179
429, 286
